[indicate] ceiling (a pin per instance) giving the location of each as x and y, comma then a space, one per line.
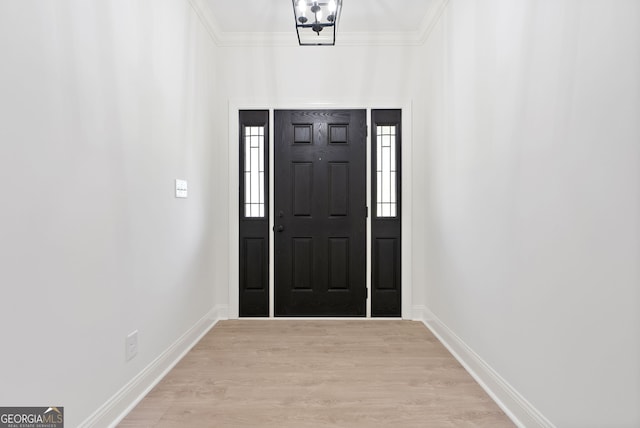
362, 21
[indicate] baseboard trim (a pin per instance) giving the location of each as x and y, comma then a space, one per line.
220, 312
516, 407
122, 402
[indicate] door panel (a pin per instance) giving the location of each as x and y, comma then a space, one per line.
338, 189
320, 206
302, 182
255, 268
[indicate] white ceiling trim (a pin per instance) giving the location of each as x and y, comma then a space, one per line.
430, 20
384, 38
206, 17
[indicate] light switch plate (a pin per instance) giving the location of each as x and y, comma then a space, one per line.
181, 188
132, 345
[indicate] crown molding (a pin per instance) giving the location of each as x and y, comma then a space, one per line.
233, 39
380, 38
430, 20
203, 11
387, 38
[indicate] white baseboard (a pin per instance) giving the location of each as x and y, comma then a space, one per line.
418, 313
220, 312
519, 410
118, 406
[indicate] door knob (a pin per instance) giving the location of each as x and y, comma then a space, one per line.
280, 228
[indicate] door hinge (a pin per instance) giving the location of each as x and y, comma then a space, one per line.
366, 212
366, 292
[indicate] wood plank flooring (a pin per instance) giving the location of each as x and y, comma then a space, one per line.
299, 373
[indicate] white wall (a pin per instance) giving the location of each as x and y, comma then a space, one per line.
530, 252
321, 74
102, 105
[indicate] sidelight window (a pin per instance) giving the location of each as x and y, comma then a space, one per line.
254, 188
386, 227
253, 207
386, 172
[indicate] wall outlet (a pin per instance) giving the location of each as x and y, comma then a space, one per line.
181, 188
131, 349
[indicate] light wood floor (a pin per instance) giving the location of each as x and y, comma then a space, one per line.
293, 373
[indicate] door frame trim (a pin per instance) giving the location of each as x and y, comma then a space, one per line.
234, 106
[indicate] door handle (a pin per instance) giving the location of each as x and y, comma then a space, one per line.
280, 228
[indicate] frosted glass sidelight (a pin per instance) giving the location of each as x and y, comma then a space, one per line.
386, 174
254, 198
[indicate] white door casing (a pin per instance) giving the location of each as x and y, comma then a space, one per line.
233, 137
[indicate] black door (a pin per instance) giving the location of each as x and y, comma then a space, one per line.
320, 213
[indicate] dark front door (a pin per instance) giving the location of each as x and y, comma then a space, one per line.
320, 213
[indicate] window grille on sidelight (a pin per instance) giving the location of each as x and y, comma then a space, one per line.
386, 171
254, 171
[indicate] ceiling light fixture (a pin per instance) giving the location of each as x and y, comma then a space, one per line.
316, 21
